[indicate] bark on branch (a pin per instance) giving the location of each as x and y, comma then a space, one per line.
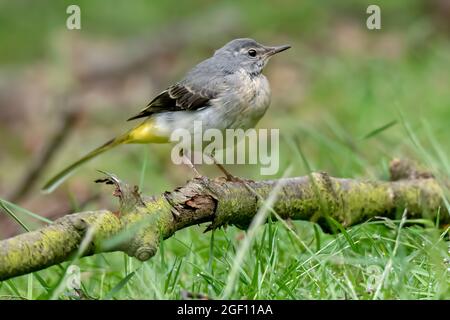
141, 222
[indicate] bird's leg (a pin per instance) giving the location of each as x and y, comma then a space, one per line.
228, 175
187, 161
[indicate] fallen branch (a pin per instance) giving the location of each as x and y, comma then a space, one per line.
141, 222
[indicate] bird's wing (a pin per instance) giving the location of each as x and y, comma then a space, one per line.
203, 83
178, 97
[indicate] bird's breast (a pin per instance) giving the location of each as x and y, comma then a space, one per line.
254, 95
242, 104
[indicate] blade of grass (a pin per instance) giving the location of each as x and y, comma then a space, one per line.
211, 253
169, 275
143, 169
58, 288
13, 216
27, 229
344, 232
125, 263
13, 287
322, 202
119, 286
30, 286
177, 274
25, 211
379, 130
41, 280
258, 220
437, 147
388, 266
317, 236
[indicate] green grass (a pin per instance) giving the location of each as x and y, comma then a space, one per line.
281, 263
382, 259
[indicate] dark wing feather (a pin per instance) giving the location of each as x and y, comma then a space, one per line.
178, 97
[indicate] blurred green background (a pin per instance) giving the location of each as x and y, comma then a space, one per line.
349, 99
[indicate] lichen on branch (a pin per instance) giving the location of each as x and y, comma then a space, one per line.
142, 222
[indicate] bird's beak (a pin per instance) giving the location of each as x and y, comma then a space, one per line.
273, 50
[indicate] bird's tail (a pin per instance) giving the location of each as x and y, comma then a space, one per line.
59, 178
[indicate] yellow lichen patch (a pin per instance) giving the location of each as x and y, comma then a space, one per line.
364, 200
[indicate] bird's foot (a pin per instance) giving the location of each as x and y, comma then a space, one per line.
229, 176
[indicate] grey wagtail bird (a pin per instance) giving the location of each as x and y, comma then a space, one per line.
225, 91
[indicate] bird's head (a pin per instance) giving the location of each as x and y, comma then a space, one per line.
247, 54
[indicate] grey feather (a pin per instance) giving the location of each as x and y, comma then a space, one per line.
211, 78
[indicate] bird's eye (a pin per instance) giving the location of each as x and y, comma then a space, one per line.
252, 53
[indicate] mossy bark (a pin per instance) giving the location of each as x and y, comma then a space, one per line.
220, 202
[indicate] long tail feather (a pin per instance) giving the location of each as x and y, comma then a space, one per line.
54, 182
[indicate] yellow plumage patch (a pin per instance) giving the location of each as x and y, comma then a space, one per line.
147, 132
